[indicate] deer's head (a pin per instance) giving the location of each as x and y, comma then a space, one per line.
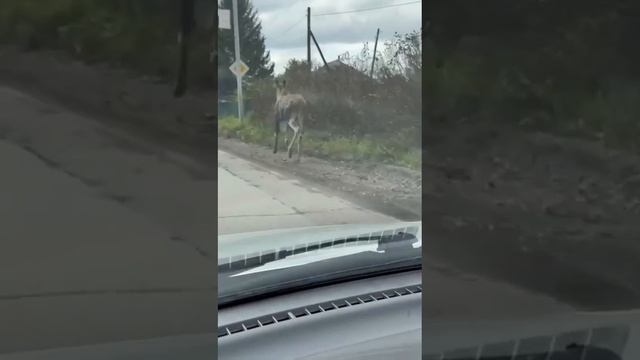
281, 85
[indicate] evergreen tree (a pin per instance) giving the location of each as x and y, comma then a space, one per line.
252, 47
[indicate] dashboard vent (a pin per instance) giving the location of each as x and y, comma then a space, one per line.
318, 308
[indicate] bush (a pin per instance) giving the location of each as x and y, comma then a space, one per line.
260, 97
561, 74
140, 35
350, 106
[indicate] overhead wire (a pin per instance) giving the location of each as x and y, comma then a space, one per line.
292, 26
367, 9
347, 12
296, 23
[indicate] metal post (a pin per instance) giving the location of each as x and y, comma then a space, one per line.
375, 47
236, 35
309, 38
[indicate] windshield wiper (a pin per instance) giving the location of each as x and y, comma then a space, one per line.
308, 281
387, 242
393, 254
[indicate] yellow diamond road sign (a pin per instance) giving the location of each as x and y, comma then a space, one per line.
239, 68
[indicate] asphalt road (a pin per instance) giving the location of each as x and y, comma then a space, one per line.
105, 237
102, 237
253, 198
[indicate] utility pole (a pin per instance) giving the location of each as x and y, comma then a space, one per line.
320, 51
236, 34
309, 38
375, 47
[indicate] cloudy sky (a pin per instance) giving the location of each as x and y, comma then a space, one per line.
284, 25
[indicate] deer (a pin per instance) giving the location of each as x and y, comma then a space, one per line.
290, 113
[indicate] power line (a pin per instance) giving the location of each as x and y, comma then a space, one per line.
292, 26
368, 9
297, 22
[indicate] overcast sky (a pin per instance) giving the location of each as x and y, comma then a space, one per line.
284, 26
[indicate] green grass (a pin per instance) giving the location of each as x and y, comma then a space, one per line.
247, 131
340, 148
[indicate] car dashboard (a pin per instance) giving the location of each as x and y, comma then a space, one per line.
374, 318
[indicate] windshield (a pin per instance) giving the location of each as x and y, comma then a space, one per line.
316, 130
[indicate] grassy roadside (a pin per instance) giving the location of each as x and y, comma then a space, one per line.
339, 148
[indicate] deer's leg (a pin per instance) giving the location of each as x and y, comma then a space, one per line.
275, 142
299, 142
293, 141
275, 134
295, 129
301, 118
284, 129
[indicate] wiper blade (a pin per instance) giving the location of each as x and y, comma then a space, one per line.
248, 278
319, 280
388, 241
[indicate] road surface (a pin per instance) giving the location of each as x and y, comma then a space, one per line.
253, 198
103, 237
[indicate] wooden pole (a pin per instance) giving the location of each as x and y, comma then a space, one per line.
375, 47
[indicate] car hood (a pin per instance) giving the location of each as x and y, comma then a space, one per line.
243, 244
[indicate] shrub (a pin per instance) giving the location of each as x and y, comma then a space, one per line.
140, 35
346, 103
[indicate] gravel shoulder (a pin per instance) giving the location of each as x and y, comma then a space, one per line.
390, 190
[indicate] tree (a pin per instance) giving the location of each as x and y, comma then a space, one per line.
253, 49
